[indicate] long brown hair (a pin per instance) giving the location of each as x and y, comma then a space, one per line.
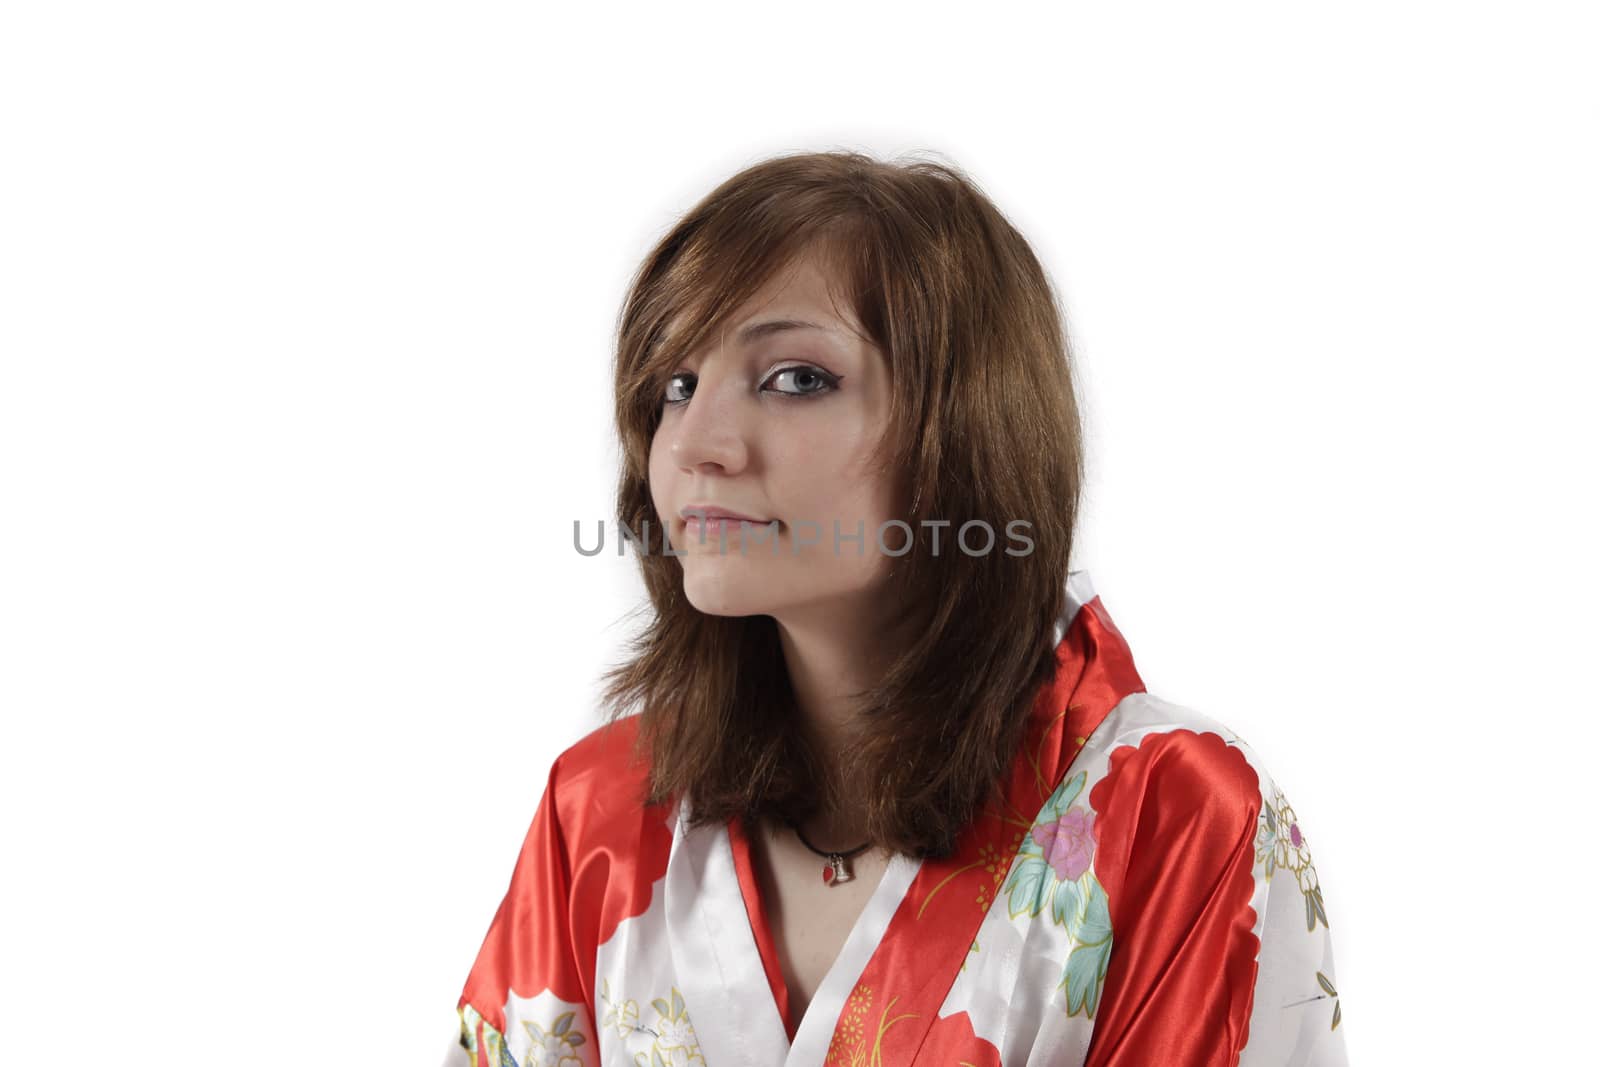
984, 425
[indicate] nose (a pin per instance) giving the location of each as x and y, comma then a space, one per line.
708, 433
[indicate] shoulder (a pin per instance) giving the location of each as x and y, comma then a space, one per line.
1176, 763
598, 782
1176, 800
616, 846
604, 752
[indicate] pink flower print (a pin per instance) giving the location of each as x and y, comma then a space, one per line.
1068, 843
1294, 835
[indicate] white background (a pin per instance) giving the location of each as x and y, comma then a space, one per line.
306, 312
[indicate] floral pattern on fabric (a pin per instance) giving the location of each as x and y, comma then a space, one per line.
555, 1045
484, 1043
1327, 987
673, 1042
1030, 891
994, 861
1054, 873
853, 1044
1281, 844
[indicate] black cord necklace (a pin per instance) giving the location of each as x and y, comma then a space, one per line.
837, 870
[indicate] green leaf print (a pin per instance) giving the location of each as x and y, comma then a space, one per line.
1067, 904
1096, 926
1085, 977
1029, 886
1062, 798
1085, 973
1314, 909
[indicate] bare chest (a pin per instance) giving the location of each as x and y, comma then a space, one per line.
810, 920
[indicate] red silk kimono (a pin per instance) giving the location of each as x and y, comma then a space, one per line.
1144, 895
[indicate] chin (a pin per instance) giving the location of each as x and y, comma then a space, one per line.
717, 590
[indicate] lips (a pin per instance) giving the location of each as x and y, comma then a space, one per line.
694, 513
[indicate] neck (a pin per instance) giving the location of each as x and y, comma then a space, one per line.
831, 654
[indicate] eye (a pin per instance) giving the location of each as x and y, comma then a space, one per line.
807, 381
804, 380
680, 387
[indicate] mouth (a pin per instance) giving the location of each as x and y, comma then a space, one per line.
709, 514
731, 522
716, 527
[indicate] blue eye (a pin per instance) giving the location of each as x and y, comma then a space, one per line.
805, 380
681, 394
808, 380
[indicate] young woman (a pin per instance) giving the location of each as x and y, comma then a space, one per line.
881, 783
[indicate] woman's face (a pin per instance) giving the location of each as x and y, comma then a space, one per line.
777, 422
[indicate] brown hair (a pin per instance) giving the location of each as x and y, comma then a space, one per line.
984, 425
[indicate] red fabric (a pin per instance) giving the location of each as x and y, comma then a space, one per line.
750, 889
908, 977
556, 913
1176, 825
951, 1040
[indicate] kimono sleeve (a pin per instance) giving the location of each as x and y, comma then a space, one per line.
525, 999
1210, 966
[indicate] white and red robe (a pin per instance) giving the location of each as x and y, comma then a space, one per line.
1144, 895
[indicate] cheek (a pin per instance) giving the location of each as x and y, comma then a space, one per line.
827, 481
658, 472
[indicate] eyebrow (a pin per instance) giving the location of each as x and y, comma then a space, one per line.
757, 330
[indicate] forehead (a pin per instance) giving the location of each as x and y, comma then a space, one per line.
806, 287
807, 292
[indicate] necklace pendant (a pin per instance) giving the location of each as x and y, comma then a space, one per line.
836, 871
